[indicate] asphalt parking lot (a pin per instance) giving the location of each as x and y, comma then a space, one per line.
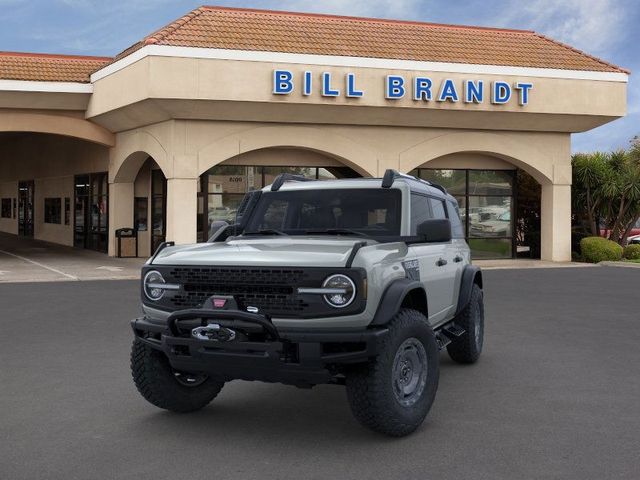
556, 395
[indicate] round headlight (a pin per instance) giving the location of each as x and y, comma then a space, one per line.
151, 284
342, 290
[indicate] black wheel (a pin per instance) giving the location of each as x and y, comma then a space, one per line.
393, 393
167, 388
468, 347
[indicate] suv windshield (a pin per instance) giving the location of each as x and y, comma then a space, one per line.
371, 212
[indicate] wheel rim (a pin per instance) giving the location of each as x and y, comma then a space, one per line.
409, 372
189, 379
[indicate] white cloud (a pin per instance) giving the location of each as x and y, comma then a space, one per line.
592, 25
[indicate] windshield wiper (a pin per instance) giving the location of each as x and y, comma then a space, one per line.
267, 231
337, 231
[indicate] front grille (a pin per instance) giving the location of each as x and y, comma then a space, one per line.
272, 291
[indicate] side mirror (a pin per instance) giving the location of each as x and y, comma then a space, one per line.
435, 230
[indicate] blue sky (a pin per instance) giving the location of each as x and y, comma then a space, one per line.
605, 28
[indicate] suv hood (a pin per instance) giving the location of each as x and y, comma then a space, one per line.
294, 251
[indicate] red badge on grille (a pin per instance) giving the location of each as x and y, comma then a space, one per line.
219, 302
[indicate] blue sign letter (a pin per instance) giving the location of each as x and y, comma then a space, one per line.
448, 91
282, 82
523, 92
306, 84
395, 86
351, 86
473, 91
326, 86
501, 92
422, 88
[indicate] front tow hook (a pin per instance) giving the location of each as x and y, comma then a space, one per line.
215, 332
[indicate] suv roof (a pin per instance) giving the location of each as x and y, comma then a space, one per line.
287, 181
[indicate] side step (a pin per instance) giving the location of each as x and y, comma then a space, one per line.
454, 329
445, 335
442, 340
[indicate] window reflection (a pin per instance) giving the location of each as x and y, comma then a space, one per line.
490, 217
485, 199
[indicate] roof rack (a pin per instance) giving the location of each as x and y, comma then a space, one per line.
391, 175
286, 177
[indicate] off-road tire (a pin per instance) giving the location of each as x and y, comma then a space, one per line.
370, 388
467, 347
156, 382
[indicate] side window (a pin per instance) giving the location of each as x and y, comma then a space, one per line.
437, 206
275, 215
420, 211
457, 230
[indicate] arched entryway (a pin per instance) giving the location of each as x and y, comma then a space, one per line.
222, 186
551, 170
499, 203
139, 201
53, 179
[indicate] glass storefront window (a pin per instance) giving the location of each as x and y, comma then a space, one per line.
490, 182
270, 173
455, 181
490, 217
491, 247
485, 200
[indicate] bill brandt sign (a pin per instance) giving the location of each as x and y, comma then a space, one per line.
420, 88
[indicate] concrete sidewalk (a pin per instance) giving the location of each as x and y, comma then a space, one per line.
526, 263
28, 260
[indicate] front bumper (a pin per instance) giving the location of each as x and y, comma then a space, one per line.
261, 352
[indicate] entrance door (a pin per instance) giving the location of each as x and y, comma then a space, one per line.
158, 208
91, 212
25, 208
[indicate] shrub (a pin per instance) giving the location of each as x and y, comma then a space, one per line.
598, 249
632, 252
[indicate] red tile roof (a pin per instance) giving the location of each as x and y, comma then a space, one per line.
48, 68
274, 31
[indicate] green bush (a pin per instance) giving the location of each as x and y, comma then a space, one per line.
632, 252
598, 249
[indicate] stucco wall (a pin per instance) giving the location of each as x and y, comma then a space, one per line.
154, 89
53, 187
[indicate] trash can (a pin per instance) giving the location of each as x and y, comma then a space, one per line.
127, 242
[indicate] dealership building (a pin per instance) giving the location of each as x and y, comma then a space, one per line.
167, 136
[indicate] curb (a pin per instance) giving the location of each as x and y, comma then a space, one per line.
620, 264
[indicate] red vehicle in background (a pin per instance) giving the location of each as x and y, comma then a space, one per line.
635, 232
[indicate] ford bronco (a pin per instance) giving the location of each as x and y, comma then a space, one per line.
355, 282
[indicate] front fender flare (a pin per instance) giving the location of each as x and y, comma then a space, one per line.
392, 299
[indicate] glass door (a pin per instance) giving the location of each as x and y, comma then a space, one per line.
91, 226
81, 211
158, 208
25, 208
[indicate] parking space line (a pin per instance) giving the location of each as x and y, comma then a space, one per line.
72, 277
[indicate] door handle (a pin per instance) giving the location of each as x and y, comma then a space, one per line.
458, 259
441, 262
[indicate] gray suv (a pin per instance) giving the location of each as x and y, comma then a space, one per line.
355, 282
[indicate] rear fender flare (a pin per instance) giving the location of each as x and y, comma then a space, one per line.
470, 276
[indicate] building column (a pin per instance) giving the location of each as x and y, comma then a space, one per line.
120, 211
182, 210
555, 211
